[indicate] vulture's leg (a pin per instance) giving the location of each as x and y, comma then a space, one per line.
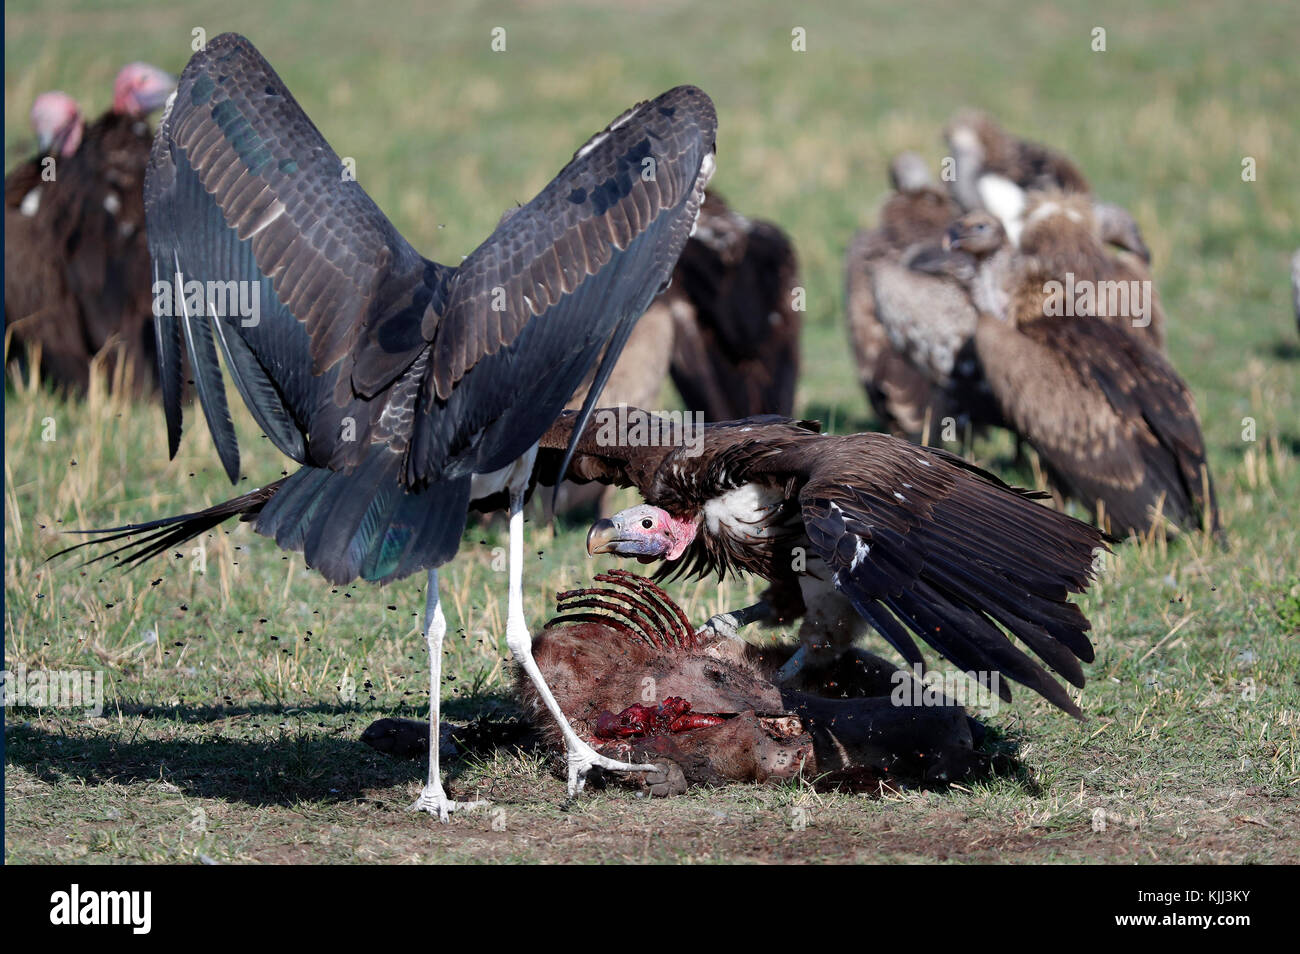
728, 625
793, 666
433, 799
830, 626
581, 757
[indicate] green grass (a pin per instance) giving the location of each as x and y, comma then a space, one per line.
225, 735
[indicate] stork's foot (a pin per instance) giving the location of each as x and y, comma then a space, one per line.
582, 758
722, 626
435, 801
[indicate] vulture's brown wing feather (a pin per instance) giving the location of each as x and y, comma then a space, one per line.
1110, 417
600, 453
951, 553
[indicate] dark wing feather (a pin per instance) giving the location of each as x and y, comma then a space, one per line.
956, 561
387, 375
561, 278
357, 328
600, 456
243, 188
360, 523
742, 358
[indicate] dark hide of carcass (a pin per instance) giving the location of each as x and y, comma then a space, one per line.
638, 682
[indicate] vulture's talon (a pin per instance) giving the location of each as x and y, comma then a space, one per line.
721, 626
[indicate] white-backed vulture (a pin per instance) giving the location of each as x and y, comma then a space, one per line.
1114, 425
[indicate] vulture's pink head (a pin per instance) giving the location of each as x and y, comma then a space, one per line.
57, 119
140, 89
645, 532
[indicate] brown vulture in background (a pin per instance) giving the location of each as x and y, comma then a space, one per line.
36, 286
77, 275
403, 389
736, 340
725, 326
911, 331
989, 159
1063, 235
853, 531
994, 170
1114, 425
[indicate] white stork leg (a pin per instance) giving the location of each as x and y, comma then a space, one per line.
581, 757
433, 799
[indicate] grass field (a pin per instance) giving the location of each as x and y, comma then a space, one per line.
225, 736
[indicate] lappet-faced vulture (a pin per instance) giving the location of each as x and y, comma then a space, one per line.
76, 258
854, 531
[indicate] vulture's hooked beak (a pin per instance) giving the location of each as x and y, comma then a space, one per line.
606, 537
644, 532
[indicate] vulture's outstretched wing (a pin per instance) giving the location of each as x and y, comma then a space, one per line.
1109, 416
345, 336
619, 463
924, 544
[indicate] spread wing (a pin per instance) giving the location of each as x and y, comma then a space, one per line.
560, 284
602, 453
244, 196
344, 336
925, 545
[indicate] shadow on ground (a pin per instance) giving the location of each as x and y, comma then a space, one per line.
258, 754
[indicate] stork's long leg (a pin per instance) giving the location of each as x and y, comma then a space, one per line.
433, 799
581, 757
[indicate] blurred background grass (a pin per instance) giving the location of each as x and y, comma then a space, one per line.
447, 134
